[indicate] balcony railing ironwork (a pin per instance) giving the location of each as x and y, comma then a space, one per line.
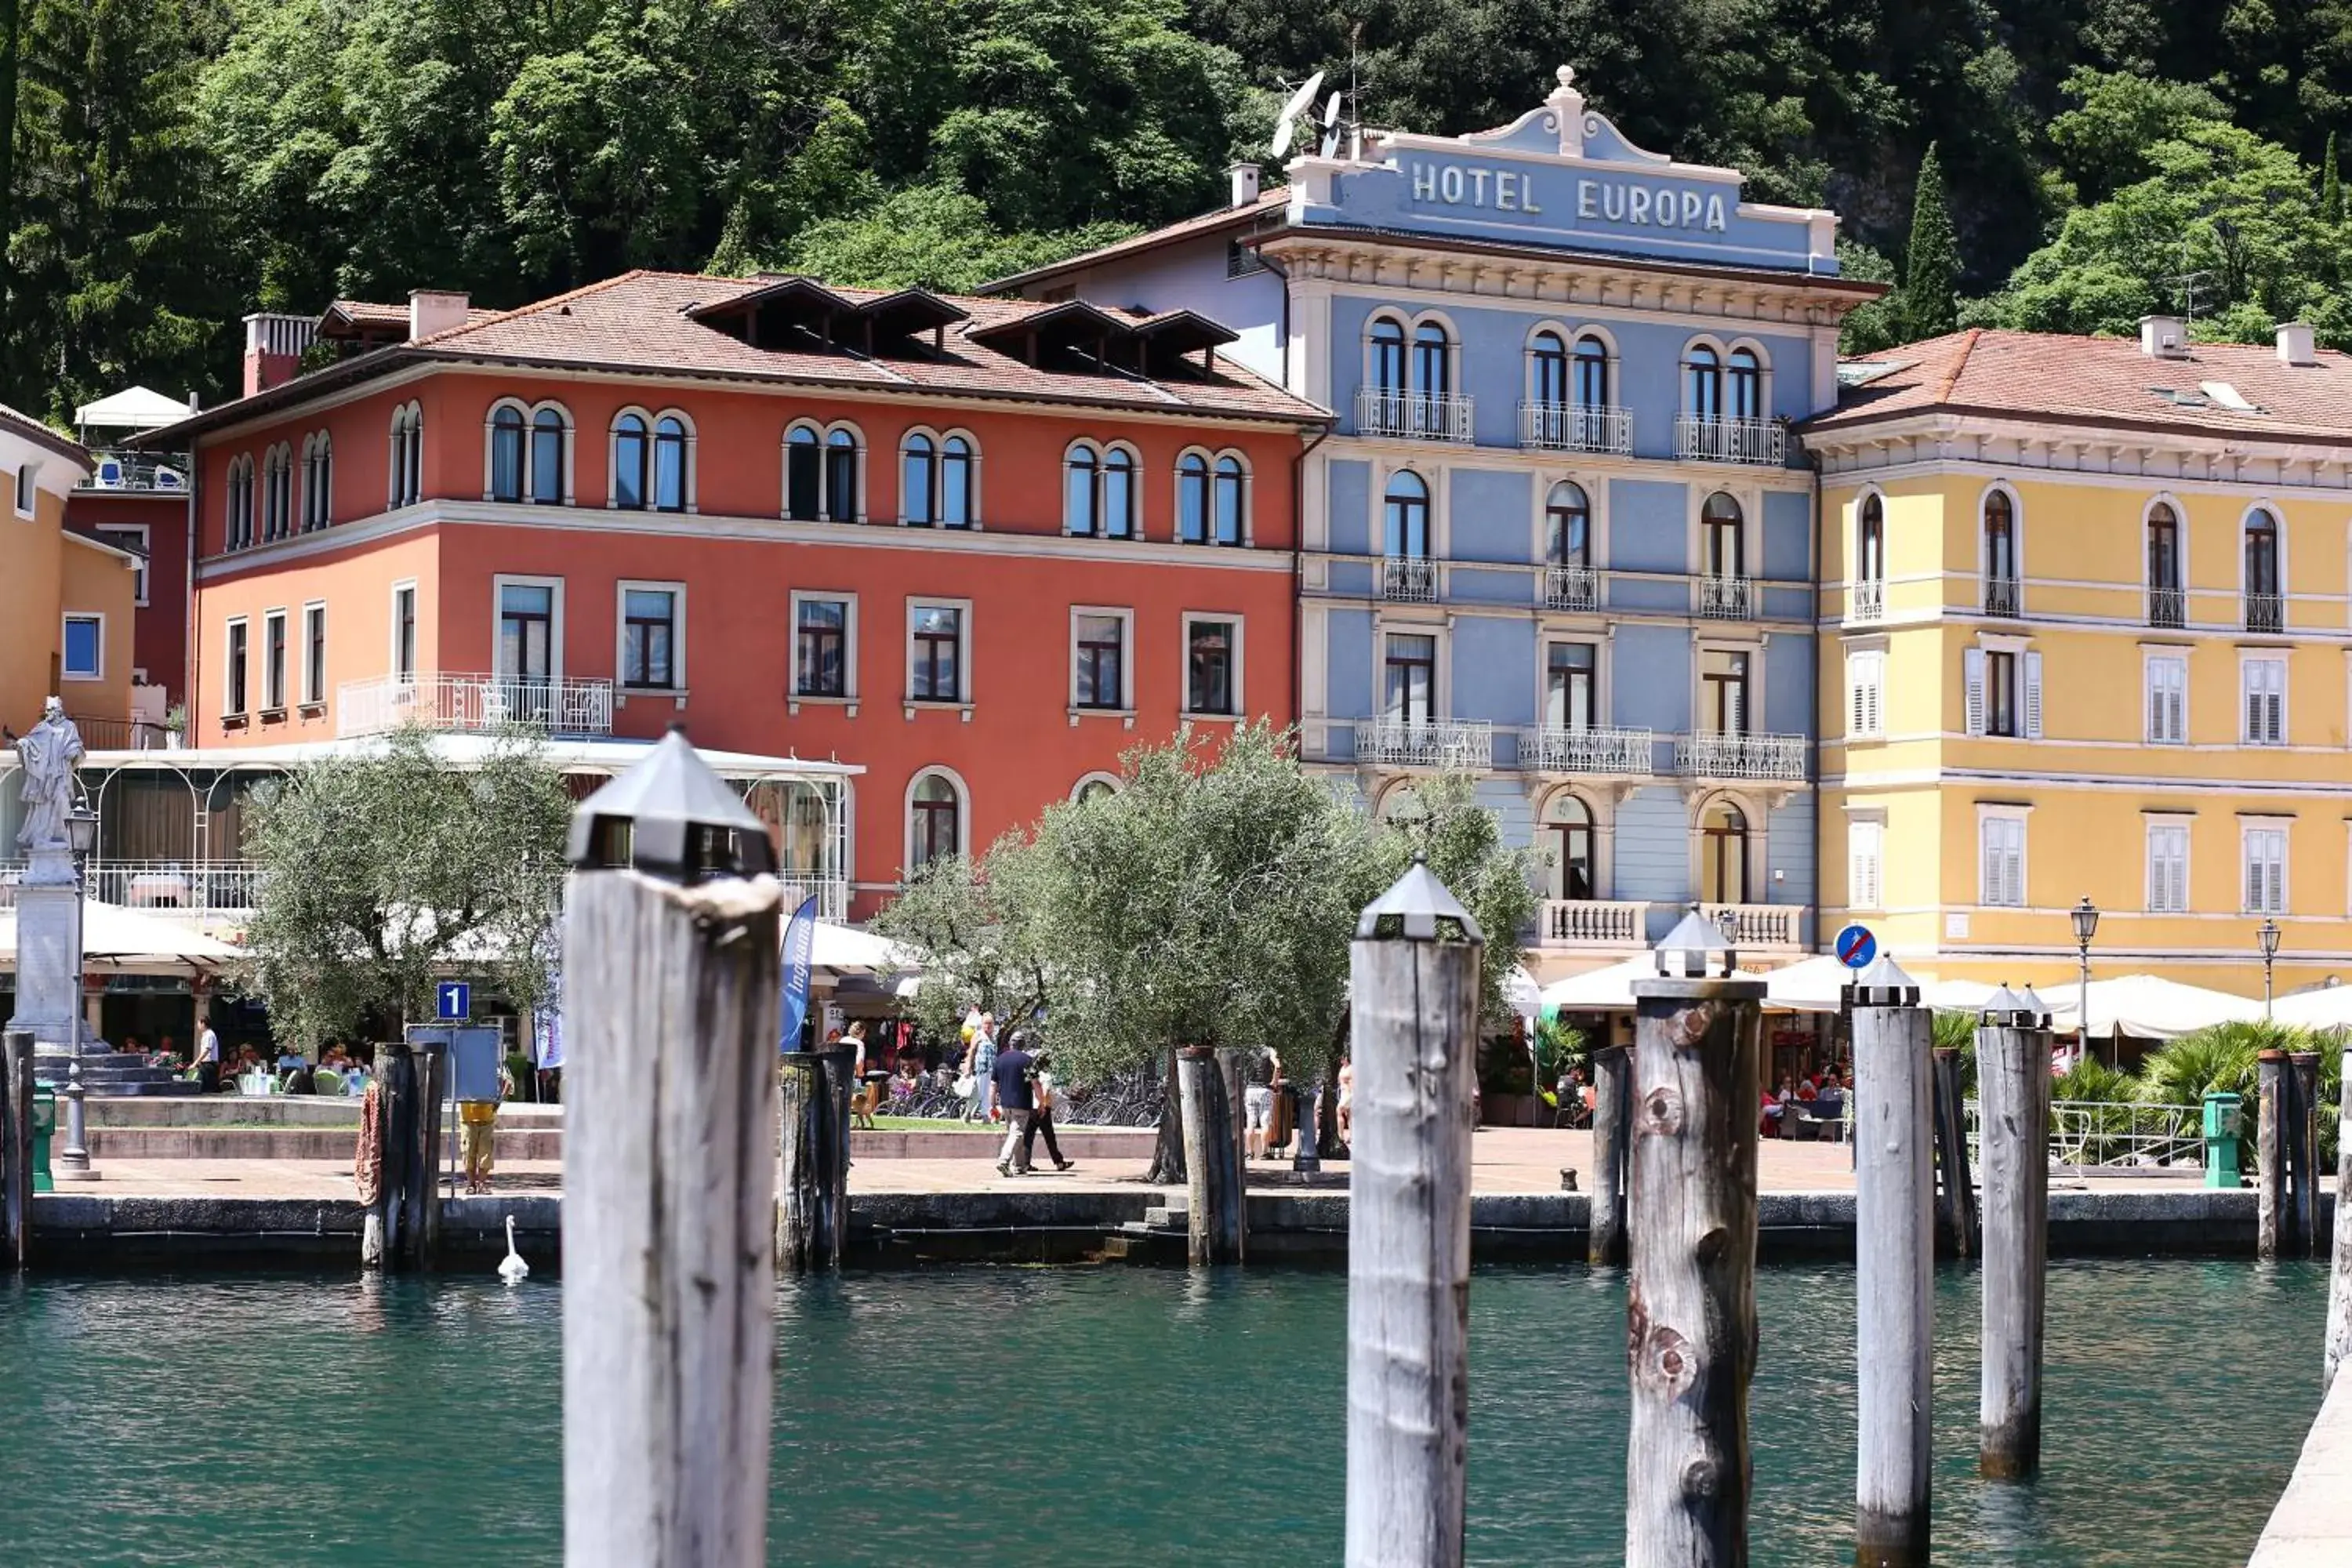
120, 734
1426, 743
2001, 596
1764, 441
1726, 598
1558, 751
1572, 588
202, 889
2165, 607
1421, 415
1756, 925
138, 471
1865, 601
1767, 758
2265, 612
1592, 923
566, 707
1411, 579
1576, 427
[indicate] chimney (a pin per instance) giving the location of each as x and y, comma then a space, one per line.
273, 349
2294, 343
2162, 337
1244, 183
432, 311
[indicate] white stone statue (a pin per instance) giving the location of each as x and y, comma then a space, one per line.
48, 754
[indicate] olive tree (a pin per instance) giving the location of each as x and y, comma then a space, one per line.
385, 871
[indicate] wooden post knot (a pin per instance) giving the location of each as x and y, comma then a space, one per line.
1662, 1111
1711, 1247
1702, 1478
1665, 1361
1689, 1027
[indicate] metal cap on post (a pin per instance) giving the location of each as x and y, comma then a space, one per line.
1885, 984
1417, 907
1689, 950
670, 816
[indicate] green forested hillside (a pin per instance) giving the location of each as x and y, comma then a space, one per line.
177, 162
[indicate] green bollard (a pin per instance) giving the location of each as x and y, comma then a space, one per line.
2224, 1116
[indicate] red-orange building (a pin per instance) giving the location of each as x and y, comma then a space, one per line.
980, 547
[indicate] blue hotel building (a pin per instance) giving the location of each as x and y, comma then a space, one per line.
1560, 534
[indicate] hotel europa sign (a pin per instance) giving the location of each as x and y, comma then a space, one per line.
1647, 204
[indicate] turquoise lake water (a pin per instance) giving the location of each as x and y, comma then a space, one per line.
1111, 1416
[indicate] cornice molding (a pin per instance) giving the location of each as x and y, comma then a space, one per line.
1969, 443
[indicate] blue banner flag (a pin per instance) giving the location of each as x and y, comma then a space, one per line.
546, 1027
799, 943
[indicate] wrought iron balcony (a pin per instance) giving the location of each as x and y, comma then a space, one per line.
1557, 751
1422, 416
1865, 601
1726, 598
1762, 441
2002, 597
2165, 607
474, 702
2265, 612
1592, 923
1768, 758
1411, 579
1426, 743
202, 889
1576, 427
1756, 926
1572, 588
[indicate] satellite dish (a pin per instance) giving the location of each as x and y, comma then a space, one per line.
1281, 138
1300, 102
1331, 111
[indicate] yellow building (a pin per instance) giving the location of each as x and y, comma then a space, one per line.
65, 599
2087, 632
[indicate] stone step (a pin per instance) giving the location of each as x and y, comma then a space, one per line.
284, 1143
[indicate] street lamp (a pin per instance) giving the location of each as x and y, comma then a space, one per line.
2086, 916
2266, 936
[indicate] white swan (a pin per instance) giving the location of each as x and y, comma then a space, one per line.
513, 1270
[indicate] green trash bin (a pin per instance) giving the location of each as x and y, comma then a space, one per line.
45, 1125
2224, 1115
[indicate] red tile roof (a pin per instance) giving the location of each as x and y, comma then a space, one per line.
1271, 200
375, 313
2101, 381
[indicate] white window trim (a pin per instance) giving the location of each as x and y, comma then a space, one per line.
2167, 821
1436, 477
2180, 542
906, 815
1755, 647
233, 667
2016, 542
1596, 527
677, 689
2278, 519
313, 697
1097, 777
28, 488
1749, 498
962, 702
1125, 711
2149, 658
1874, 832
2247, 660
794, 696
67, 620
2019, 814
392, 628
2284, 827
1869, 661
1438, 626
109, 532
276, 618
1233, 618
499, 584
1553, 629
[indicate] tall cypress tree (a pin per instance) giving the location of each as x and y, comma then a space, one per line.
1931, 262
2331, 185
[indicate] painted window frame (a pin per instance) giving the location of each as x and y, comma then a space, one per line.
275, 634
848, 696
1236, 689
500, 582
404, 466
2249, 660
120, 534
2152, 730
915, 604
963, 818
1125, 616
622, 588
2020, 818
2279, 901
66, 622
237, 674
27, 496
394, 653
1985, 578
1865, 691
312, 688
1865, 847
2155, 898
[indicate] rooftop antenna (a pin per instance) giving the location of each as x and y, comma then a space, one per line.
1285, 124
2185, 281
1354, 94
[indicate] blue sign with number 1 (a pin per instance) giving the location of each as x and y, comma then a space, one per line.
1855, 947
454, 1002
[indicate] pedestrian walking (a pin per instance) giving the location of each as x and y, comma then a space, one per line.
1258, 1099
477, 1136
979, 1066
207, 1059
861, 1093
1041, 1116
1014, 1094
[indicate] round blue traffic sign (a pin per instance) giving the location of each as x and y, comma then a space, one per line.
1855, 947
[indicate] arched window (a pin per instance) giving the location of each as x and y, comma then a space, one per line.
919, 463
2000, 586
1702, 383
1569, 836
2265, 607
1192, 499
408, 464
1722, 548
1388, 357
957, 498
841, 474
1591, 373
1870, 542
1408, 517
1433, 360
932, 824
1723, 854
1547, 370
631, 457
1231, 499
277, 494
803, 474
670, 449
507, 452
1081, 502
238, 532
1094, 786
2164, 605
318, 481
1118, 493
551, 436
1568, 526
1747, 384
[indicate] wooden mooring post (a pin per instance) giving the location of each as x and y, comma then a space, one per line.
1956, 1193
2303, 1152
1216, 1220
2339, 1274
2013, 1092
1613, 1103
1414, 985
17, 1148
813, 1217
1690, 1300
672, 970
1894, 1267
2271, 1196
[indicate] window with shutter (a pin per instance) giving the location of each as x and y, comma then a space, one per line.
2033, 667
2265, 863
2168, 700
1866, 684
2264, 684
2003, 843
2168, 867
1972, 680
1865, 842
